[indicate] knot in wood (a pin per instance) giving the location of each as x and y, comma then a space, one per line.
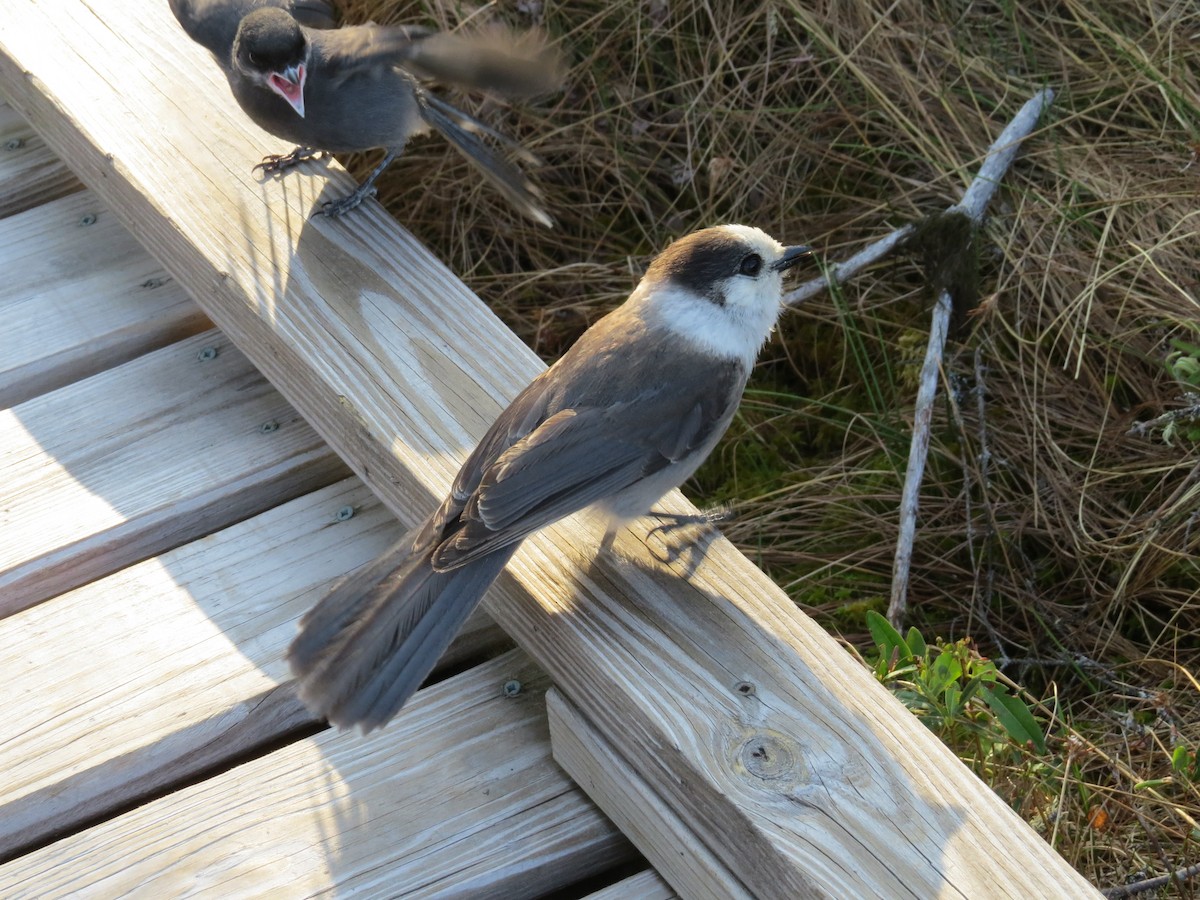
771, 756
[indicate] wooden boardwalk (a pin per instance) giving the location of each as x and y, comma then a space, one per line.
174, 495
133, 429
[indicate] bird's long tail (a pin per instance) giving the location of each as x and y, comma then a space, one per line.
366, 647
463, 131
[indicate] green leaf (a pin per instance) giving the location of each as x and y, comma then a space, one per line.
1185, 347
944, 672
881, 669
953, 701
886, 637
1150, 783
982, 669
1016, 718
969, 690
1179, 759
916, 643
1185, 762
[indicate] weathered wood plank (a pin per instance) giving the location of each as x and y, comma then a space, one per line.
402, 369
141, 458
79, 295
626, 798
459, 799
166, 669
646, 885
30, 173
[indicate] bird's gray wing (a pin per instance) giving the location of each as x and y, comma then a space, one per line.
519, 419
581, 455
313, 13
495, 61
211, 23
368, 50
501, 62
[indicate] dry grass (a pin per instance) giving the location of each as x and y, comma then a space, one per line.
1066, 546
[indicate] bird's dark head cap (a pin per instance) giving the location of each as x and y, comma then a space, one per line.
269, 40
705, 261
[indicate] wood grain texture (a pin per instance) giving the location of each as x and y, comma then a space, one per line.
623, 794
30, 173
459, 798
646, 885
138, 459
163, 670
79, 295
402, 369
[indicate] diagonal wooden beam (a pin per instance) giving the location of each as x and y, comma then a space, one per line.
401, 369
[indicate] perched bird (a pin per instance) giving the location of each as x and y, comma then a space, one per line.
625, 415
353, 89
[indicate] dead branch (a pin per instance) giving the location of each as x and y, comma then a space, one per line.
973, 204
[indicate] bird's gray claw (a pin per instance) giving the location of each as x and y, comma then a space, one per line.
269, 164
275, 163
334, 208
706, 521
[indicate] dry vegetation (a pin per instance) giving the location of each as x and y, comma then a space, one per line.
1063, 544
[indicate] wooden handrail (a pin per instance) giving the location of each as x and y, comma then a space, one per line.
783, 757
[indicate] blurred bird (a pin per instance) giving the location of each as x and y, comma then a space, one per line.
625, 415
353, 89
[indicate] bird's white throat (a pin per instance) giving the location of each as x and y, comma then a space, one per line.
736, 329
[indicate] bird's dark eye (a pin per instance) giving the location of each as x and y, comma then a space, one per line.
255, 60
751, 265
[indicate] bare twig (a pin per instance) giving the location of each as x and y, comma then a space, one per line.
842, 272
916, 456
1151, 884
978, 194
1189, 413
973, 204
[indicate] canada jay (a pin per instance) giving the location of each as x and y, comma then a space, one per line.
355, 88
625, 415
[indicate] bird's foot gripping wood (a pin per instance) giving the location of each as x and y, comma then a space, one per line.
334, 208
278, 163
706, 530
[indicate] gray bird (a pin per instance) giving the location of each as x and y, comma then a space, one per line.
625, 415
354, 89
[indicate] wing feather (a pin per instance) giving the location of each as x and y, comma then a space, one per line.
577, 457
591, 427
496, 61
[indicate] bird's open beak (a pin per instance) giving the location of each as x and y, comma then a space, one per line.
289, 84
791, 256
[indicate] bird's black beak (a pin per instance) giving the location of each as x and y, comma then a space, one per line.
791, 256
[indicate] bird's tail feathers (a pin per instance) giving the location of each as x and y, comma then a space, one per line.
367, 646
473, 126
342, 606
463, 130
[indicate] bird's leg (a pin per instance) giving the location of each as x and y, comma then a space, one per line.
706, 521
335, 208
610, 535
281, 162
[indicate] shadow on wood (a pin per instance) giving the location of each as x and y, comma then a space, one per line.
400, 368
